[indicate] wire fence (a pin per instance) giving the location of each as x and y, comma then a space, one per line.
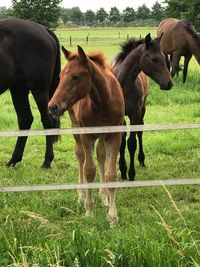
95, 130
120, 185
102, 129
98, 40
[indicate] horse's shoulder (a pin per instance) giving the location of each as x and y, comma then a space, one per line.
144, 82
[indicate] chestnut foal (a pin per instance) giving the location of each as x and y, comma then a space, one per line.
91, 94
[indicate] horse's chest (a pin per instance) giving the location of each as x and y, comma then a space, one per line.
87, 115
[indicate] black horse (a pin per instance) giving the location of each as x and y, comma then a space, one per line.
29, 62
136, 60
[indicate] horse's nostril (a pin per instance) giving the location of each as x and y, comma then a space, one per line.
54, 108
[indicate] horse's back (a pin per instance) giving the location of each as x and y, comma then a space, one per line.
27, 52
167, 23
175, 37
167, 27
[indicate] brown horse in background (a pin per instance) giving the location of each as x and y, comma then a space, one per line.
137, 59
179, 39
93, 97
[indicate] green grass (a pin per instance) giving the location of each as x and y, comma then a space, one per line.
157, 226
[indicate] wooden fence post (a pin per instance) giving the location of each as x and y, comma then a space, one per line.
70, 40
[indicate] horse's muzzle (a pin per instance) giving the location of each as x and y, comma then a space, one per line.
55, 110
166, 86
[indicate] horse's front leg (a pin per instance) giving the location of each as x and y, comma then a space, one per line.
101, 157
80, 157
112, 144
89, 170
122, 158
175, 63
141, 155
167, 61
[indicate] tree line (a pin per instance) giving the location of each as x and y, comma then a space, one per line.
50, 14
114, 17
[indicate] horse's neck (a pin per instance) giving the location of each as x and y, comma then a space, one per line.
99, 92
130, 67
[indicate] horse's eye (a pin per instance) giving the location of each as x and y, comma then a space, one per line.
76, 77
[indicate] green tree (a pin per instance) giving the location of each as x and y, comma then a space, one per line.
101, 15
174, 8
90, 17
45, 12
143, 12
128, 14
157, 11
192, 12
4, 12
76, 15
184, 9
66, 14
114, 14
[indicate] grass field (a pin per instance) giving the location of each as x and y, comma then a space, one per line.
157, 226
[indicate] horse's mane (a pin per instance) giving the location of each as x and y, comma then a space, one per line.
191, 30
98, 57
126, 48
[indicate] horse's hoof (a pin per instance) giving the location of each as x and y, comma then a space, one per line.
81, 196
104, 201
123, 176
88, 213
113, 220
11, 164
46, 165
103, 195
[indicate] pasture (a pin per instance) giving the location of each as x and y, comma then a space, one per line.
157, 226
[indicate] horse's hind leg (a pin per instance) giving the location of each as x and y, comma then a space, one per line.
25, 119
185, 68
141, 155
48, 122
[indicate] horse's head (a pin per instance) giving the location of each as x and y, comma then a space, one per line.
153, 63
75, 82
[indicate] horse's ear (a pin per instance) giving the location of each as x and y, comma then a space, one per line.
66, 52
158, 39
82, 55
148, 40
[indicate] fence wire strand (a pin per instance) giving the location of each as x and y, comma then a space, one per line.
101, 129
126, 184
98, 130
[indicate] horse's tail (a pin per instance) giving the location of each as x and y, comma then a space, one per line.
56, 73
191, 30
55, 79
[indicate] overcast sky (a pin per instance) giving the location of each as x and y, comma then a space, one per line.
96, 4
